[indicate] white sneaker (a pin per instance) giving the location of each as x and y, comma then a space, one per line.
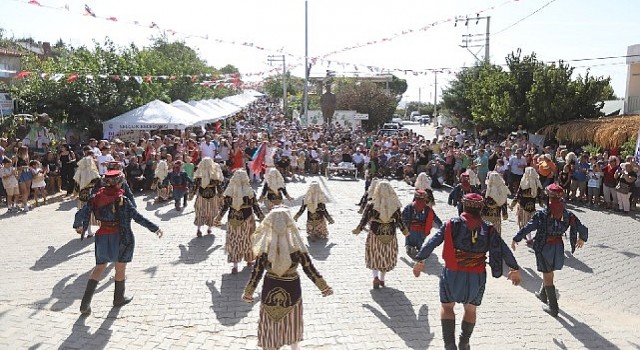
90, 234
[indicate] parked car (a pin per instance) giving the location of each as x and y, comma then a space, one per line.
394, 125
397, 120
425, 119
388, 132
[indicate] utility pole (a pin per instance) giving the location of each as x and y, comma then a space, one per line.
472, 40
305, 98
281, 58
435, 94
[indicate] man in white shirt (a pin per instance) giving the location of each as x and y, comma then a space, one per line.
358, 160
517, 164
208, 148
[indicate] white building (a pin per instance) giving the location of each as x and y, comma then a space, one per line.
632, 96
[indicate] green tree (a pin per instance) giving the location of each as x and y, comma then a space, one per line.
528, 93
365, 97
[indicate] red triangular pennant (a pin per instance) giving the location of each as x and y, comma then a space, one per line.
22, 74
72, 78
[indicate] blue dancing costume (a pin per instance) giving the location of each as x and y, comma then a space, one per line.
464, 275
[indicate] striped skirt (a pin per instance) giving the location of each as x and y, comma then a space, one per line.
523, 216
496, 221
380, 255
206, 210
92, 219
164, 194
276, 334
238, 244
317, 228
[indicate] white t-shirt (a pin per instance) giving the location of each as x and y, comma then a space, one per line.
208, 150
102, 169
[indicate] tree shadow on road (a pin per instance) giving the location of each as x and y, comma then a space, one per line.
320, 250
227, 301
398, 315
574, 263
583, 333
197, 250
65, 293
81, 337
63, 254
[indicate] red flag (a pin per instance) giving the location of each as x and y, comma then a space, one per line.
112, 19
72, 78
34, 2
257, 165
147, 79
22, 74
218, 125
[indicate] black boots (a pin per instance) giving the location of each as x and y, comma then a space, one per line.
118, 295
467, 329
542, 294
85, 305
449, 334
552, 307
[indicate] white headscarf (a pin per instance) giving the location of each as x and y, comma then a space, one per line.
497, 189
274, 180
473, 178
87, 171
278, 237
531, 180
162, 170
571, 156
372, 188
423, 182
208, 170
314, 196
385, 200
238, 188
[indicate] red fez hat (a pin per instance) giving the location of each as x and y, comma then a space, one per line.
473, 200
555, 191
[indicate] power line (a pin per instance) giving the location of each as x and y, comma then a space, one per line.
525, 17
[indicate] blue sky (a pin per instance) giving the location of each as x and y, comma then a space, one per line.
565, 29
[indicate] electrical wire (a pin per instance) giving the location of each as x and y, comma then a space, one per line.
524, 18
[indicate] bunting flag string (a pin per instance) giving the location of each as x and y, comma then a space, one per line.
421, 29
88, 11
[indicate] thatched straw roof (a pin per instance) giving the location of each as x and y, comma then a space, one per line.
605, 132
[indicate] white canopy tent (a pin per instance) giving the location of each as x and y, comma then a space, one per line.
205, 116
241, 100
155, 115
213, 112
228, 107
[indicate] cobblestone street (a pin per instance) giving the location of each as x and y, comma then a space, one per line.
185, 296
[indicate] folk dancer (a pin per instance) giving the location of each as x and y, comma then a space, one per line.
317, 215
125, 185
209, 179
467, 239
495, 201
179, 181
419, 217
163, 189
550, 224
423, 183
86, 178
115, 241
370, 187
274, 189
460, 190
242, 204
383, 214
279, 251
529, 191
